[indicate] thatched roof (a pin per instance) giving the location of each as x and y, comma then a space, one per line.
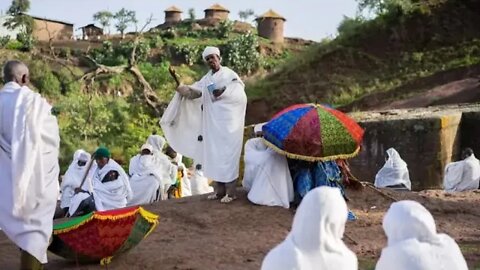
173, 9
270, 14
217, 7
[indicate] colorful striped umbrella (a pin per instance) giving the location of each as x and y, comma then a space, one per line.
99, 236
313, 132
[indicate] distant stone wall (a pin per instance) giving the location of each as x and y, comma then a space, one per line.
427, 139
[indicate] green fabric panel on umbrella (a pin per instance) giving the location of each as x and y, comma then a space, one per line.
335, 137
72, 222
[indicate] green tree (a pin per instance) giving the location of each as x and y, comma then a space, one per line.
103, 17
124, 18
245, 14
405, 6
19, 19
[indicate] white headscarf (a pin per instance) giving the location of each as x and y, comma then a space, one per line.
209, 51
394, 172
157, 142
315, 241
413, 242
258, 127
73, 177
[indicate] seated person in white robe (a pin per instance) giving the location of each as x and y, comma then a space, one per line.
73, 178
413, 241
111, 188
315, 241
205, 121
145, 177
176, 160
267, 177
394, 173
167, 168
463, 175
199, 183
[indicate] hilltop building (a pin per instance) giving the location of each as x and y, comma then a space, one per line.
270, 26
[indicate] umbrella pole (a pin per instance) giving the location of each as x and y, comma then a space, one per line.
76, 260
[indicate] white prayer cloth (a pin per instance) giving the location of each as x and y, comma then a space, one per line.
394, 172
267, 177
199, 183
259, 127
220, 125
209, 51
87, 186
113, 194
29, 145
145, 179
462, 175
167, 169
73, 177
413, 242
315, 241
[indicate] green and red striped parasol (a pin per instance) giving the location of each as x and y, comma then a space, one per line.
313, 132
99, 236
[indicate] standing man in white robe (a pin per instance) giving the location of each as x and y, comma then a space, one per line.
73, 178
29, 146
413, 241
463, 175
111, 188
205, 121
267, 176
145, 177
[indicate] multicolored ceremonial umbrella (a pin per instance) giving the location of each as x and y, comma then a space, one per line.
99, 236
313, 132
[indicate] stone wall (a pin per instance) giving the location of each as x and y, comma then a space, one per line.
427, 139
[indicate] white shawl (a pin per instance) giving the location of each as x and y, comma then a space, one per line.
73, 178
145, 179
113, 194
394, 172
29, 145
199, 184
462, 175
267, 177
315, 241
220, 125
413, 242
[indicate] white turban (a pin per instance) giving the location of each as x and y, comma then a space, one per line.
209, 51
258, 127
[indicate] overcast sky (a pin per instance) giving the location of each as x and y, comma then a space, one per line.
309, 19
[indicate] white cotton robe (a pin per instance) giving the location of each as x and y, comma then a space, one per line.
113, 194
267, 177
199, 184
220, 125
462, 175
145, 179
413, 242
167, 168
73, 179
394, 172
29, 145
315, 241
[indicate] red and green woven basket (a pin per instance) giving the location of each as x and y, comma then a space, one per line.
100, 236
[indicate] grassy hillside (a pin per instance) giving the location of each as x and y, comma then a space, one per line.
379, 55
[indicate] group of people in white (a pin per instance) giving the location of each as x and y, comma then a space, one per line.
462, 175
204, 121
104, 185
315, 241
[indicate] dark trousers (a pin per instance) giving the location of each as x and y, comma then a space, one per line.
226, 188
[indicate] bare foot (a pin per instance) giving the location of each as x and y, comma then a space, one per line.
212, 197
227, 199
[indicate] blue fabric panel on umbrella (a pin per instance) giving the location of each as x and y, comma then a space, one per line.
278, 129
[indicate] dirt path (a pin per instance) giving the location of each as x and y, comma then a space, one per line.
198, 234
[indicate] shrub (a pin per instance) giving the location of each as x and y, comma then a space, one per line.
241, 54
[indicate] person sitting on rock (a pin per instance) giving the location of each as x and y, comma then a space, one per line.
463, 175
394, 173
